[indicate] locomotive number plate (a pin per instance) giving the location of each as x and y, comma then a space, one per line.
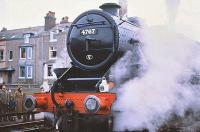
90, 31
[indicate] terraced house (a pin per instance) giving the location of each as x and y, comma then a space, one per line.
27, 55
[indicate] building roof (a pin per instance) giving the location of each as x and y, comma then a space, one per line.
34, 31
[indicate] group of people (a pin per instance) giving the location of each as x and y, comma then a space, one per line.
10, 102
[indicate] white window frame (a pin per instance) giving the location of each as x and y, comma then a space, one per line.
31, 71
22, 77
52, 50
9, 51
27, 38
29, 52
53, 36
21, 53
46, 72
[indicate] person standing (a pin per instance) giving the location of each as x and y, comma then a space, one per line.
11, 108
19, 96
4, 100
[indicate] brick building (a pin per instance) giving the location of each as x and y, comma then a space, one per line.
27, 55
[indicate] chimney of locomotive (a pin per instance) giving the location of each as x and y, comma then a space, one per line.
111, 8
50, 21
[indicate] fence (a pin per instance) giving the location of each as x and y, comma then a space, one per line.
27, 88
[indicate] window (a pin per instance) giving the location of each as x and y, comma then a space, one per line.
26, 52
49, 68
10, 55
26, 71
1, 54
53, 36
26, 38
29, 72
21, 71
52, 53
29, 52
48, 72
23, 53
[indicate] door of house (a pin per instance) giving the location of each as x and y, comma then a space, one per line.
9, 77
1, 77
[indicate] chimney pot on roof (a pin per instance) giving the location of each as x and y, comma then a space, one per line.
50, 21
64, 20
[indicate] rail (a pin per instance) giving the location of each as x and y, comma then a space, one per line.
24, 126
31, 114
30, 122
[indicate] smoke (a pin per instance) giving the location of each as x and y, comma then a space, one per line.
45, 86
172, 9
50, 118
132, 64
123, 9
164, 88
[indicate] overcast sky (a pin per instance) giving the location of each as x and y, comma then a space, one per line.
27, 13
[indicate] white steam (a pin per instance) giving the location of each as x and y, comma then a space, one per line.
172, 9
50, 118
164, 88
123, 9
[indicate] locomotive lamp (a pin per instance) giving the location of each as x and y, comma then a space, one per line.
103, 87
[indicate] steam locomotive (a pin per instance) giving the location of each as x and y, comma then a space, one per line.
81, 95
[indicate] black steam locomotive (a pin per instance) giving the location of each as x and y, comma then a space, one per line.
95, 41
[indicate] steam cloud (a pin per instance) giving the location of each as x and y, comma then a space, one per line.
172, 9
50, 118
123, 9
157, 81
165, 86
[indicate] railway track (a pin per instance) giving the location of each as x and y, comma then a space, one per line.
24, 122
29, 126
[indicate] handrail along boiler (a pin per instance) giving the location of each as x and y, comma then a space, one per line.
96, 39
